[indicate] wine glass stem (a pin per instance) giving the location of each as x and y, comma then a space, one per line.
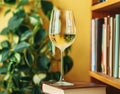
62, 67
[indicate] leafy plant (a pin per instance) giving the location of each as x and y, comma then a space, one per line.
26, 56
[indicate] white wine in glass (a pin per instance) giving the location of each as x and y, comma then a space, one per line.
62, 32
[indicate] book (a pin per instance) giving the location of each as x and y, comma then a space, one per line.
98, 1
77, 88
100, 22
105, 46
117, 38
102, 0
93, 46
111, 53
96, 43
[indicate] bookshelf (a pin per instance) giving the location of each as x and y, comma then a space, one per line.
101, 10
109, 5
106, 79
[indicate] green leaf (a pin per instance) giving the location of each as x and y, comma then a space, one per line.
35, 19
40, 35
26, 34
15, 57
22, 29
36, 90
19, 13
15, 39
1, 83
6, 12
50, 46
15, 80
14, 23
5, 31
11, 67
47, 7
23, 68
43, 63
67, 50
68, 63
17, 92
5, 44
4, 53
29, 58
56, 76
21, 46
7, 76
21, 82
22, 2
43, 47
26, 78
24, 83
52, 76
37, 78
3, 92
10, 1
3, 70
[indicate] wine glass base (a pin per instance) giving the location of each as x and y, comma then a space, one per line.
63, 83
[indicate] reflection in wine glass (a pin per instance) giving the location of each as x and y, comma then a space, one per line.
62, 32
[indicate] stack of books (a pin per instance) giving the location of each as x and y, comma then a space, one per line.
77, 88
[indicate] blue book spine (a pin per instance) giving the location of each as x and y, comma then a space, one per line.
117, 39
102, 0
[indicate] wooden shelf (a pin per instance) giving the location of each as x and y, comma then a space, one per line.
106, 79
107, 6
101, 10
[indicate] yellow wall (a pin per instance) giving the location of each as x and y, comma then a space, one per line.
81, 47
3, 22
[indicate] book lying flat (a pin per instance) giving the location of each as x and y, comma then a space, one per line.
77, 88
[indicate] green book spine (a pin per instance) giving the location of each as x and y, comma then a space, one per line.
117, 39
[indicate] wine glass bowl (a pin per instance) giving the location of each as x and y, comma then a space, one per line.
62, 32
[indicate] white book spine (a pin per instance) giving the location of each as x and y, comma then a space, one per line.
104, 47
111, 46
93, 52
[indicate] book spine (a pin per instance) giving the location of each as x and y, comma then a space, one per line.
93, 51
111, 46
116, 66
102, 0
104, 47
99, 43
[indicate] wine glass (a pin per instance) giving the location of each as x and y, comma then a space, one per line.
62, 32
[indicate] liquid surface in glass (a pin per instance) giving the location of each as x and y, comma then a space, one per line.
62, 41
